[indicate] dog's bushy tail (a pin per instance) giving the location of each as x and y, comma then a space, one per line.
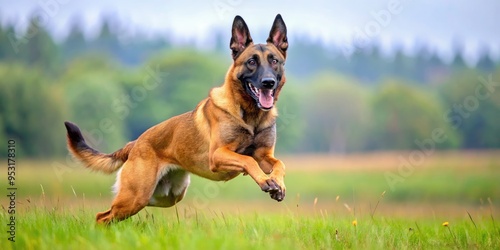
93, 159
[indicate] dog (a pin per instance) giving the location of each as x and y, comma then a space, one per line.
231, 132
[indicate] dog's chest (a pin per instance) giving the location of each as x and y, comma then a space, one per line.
248, 141
247, 149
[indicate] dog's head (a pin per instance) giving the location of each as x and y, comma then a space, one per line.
259, 68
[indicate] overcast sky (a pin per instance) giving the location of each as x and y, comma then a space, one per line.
436, 22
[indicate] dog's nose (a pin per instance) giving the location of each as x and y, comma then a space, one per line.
268, 82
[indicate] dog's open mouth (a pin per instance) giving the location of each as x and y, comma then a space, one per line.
264, 97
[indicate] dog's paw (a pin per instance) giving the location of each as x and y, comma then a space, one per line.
275, 190
270, 186
278, 195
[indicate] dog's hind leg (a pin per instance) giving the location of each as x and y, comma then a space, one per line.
135, 185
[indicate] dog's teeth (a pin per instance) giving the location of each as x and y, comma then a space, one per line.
253, 89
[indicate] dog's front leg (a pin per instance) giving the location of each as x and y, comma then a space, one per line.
225, 160
275, 168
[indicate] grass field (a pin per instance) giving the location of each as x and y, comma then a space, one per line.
55, 207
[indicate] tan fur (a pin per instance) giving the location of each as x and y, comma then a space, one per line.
209, 141
106, 163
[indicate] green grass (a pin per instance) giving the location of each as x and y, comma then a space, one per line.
48, 228
56, 210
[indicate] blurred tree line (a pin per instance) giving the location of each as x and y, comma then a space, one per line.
115, 87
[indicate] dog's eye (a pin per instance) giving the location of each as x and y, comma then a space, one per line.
274, 61
252, 62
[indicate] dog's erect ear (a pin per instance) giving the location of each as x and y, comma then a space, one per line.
240, 38
277, 36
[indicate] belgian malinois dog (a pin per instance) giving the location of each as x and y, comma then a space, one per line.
231, 132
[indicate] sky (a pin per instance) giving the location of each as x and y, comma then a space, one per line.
439, 23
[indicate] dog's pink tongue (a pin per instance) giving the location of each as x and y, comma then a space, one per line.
266, 98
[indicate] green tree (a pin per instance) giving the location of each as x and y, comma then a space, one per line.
421, 63
30, 112
402, 65
91, 88
338, 114
485, 63
473, 104
3, 136
458, 63
38, 48
403, 115
5, 46
75, 43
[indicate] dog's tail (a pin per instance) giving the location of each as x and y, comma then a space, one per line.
93, 159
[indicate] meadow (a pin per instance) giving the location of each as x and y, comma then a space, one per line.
332, 202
